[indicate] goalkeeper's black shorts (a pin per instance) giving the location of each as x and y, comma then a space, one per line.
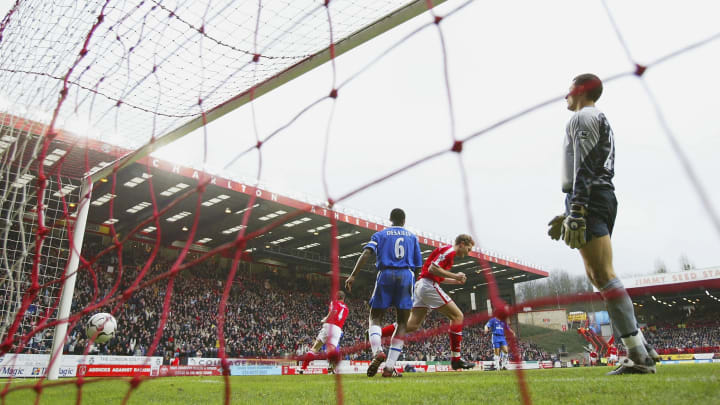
601, 212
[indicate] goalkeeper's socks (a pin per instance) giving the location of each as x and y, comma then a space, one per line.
389, 330
622, 315
620, 307
636, 348
395, 349
375, 339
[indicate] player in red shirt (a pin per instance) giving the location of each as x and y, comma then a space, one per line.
330, 332
612, 354
428, 295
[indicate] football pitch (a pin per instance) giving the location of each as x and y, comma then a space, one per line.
674, 384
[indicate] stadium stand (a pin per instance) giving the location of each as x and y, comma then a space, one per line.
698, 337
267, 316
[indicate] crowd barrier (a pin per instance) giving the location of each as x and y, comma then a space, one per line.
34, 366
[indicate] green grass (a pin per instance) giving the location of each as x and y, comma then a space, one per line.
696, 384
550, 339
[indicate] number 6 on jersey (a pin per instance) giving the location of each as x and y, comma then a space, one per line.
399, 248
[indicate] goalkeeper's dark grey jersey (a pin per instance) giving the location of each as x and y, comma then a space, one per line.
589, 155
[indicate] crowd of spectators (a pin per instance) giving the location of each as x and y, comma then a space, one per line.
267, 317
695, 337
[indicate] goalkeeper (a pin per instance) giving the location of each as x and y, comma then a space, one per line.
590, 209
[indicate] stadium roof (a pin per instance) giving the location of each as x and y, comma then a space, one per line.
303, 237
664, 291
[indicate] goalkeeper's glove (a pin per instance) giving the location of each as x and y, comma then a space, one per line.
574, 227
556, 228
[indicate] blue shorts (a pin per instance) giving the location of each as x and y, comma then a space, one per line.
393, 288
601, 212
499, 341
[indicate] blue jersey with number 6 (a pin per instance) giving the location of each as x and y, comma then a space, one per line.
398, 253
395, 247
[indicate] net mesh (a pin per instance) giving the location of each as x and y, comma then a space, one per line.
28, 261
152, 65
128, 73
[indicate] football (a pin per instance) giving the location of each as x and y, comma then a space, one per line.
102, 327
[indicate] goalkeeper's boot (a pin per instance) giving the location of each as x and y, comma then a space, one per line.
627, 366
375, 364
390, 372
461, 363
652, 353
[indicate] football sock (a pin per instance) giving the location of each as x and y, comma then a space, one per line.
455, 340
375, 339
635, 346
395, 350
496, 361
389, 330
309, 356
619, 307
622, 314
642, 337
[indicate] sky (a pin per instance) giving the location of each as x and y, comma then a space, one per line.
502, 57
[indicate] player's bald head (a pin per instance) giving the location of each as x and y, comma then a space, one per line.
397, 217
341, 295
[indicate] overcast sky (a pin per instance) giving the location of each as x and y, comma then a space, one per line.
504, 57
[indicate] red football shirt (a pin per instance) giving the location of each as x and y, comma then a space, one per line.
338, 313
442, 257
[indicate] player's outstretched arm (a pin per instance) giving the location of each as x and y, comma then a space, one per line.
364, 257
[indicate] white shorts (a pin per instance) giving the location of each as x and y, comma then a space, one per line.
613, 358
331, 331
428, 294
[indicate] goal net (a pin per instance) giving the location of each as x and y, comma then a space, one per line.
36, 226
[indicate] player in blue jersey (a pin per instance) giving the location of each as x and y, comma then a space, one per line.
500, 346
589, 217
398, 255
